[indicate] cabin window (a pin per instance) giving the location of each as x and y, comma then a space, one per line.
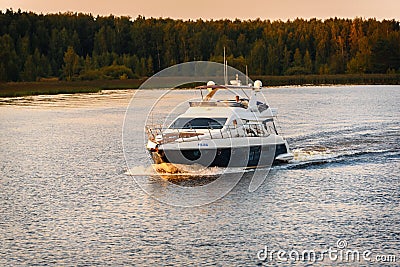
198, 123
261, 106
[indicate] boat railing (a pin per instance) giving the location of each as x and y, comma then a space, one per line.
186, 135
219, 103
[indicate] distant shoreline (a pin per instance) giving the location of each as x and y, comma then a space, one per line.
17, 89
51, 87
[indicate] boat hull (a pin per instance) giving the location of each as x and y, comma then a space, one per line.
248, 156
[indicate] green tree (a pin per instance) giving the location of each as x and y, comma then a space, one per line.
308, 65
29, 43
297, 58
29, 73
150, 70
356, 64
385, 54
287, 54
140, 68
88, 65
8, 59
257, 57
272, 67
71, 63
242, 44
361, 62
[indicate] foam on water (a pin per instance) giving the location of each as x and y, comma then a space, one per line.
170, 170
312, 153
167, 170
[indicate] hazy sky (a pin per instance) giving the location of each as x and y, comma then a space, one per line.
216, 9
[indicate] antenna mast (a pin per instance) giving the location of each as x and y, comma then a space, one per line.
226, 72
225, 69
247, 77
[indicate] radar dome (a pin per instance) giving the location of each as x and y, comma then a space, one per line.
210, 83
257, 84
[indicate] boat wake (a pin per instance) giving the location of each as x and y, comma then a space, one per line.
183, 175
311, 153
304, 158
317, 156
180, 170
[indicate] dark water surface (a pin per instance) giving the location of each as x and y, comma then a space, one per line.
66, 198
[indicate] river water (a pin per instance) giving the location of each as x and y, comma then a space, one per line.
68, 198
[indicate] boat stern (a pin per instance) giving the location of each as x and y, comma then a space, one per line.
285, 157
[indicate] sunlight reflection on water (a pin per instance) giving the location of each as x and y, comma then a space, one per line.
66, 197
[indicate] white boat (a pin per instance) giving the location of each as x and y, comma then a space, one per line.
237, 132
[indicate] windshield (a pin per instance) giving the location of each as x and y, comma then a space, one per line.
198, 123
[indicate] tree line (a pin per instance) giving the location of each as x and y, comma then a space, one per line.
80, 46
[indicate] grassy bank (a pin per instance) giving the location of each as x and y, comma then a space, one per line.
373, 79
64, 87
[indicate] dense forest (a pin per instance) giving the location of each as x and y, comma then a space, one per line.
75, 46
